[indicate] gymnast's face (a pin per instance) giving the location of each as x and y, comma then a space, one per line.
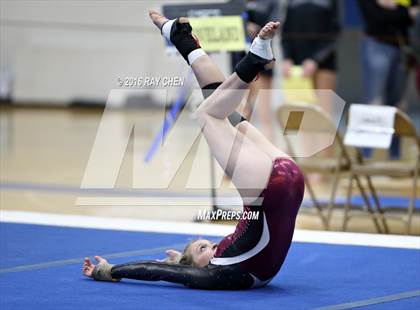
202, 251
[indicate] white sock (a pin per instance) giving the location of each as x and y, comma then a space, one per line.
195, 54
262, 48
166, 29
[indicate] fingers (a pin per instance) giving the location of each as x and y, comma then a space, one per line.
100, 259
87, 263
87, 267
172, 253
87, 272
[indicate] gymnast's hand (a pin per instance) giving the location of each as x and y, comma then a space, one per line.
88, 266
172, 256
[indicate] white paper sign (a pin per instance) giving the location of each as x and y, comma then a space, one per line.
370, 126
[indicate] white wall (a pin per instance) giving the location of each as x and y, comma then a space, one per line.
61, 50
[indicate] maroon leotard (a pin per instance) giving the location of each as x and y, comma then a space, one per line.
281, 201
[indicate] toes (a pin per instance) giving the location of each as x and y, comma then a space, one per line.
269, 29
157, 18
153, 12
183, 20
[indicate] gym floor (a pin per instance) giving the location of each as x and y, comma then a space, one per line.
41, 267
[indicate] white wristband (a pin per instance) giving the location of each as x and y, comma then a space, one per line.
166, 29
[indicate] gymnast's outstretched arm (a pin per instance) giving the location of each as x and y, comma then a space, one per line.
211, 277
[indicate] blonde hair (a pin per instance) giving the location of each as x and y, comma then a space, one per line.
183, 259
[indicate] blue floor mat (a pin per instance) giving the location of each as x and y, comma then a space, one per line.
314, 275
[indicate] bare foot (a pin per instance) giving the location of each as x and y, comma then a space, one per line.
158, 19
269, 30
88, 266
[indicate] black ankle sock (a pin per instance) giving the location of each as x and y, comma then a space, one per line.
209, 89
235, 118
181, 36
249, 67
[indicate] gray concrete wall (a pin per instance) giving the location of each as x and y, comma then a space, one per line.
62, 50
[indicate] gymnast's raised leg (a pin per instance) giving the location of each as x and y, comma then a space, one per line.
243, 146
209, 78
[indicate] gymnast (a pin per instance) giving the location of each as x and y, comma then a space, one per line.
253, 254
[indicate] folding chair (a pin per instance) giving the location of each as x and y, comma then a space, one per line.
407, 167
338, 165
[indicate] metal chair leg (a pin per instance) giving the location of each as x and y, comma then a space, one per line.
368, 206
410, 211
377, 205
316, 204
331, 203
347, 204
